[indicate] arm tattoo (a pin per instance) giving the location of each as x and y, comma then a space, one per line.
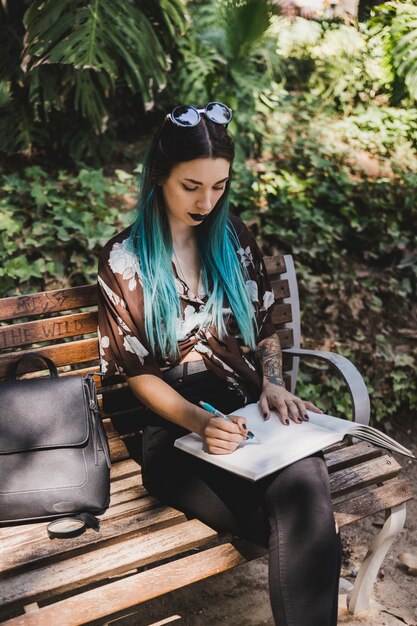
269, 354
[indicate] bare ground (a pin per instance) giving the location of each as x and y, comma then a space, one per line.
240, 597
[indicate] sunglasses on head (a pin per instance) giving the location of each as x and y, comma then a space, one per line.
188, 116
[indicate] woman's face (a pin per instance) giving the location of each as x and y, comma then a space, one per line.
193, 189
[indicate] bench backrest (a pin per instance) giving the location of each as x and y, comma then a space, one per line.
62, 325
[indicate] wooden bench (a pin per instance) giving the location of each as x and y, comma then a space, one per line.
143, 549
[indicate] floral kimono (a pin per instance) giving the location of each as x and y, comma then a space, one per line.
124, 347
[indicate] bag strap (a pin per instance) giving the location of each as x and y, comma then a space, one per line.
34, 355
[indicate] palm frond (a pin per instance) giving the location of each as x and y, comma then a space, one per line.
245, 25
18, 131
169, 18
103, 41
237, 28
398, 22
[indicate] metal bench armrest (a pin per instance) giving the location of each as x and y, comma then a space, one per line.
350, 374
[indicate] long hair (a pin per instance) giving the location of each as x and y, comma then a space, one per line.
151, 240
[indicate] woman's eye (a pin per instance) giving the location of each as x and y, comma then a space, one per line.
218, 188
188, 188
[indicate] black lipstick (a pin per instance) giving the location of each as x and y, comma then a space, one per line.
197, 217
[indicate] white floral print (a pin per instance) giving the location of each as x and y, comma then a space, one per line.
123, 328
132, 344
122, 325
246, 257
203, 348
103, 343
192, 319
252, 289
113, 296
268, 300
123, 261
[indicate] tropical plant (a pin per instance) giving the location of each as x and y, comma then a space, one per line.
229, 54
396, 23
340, 63
340, 195
67, 66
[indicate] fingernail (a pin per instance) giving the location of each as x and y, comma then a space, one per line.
244, 426
250, 435
287, 421
266, 416
306, 418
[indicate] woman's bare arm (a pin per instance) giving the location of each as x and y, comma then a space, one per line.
274, 395
269, 354
221, 436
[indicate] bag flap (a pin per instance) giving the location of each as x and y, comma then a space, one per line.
43, 413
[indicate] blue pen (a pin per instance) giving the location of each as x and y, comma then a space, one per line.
218, 413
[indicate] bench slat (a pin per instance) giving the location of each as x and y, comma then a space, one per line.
35, 549
48, 302
123, 594
281, 313
131, 505
62, 354
391, 494
280, 288
133, 494
374, 471
286, 337
129, 482
111, 560
122, 492
50, 329
351, 455
118, 451
124, 469
136, 496
275, 264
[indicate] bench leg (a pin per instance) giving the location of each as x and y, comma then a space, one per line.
359, 598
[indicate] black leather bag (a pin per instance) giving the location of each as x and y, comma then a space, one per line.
54, 455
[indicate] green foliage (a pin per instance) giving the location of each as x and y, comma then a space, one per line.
327, 172
386, 132
396, 22
68, 66
340, 195
341, 64
326, 164
228, 54
52, 227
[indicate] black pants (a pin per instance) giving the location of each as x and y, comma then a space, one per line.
289, 512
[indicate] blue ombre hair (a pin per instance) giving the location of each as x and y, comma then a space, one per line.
222, 274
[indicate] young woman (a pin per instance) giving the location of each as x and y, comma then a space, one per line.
184, 314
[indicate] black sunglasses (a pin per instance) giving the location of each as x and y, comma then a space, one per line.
188, 116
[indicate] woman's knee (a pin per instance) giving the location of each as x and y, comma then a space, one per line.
301, 492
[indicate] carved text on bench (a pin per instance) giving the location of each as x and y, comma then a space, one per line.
13, 336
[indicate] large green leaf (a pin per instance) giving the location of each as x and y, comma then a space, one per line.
398, 23
98, 35
103, 41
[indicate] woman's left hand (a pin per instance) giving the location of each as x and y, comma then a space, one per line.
287, 405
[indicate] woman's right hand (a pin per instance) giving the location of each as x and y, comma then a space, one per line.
222, 436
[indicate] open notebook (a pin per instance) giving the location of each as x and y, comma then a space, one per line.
281, 445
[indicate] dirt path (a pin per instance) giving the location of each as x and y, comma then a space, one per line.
240, 597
